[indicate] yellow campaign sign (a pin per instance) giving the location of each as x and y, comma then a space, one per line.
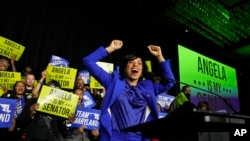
65, 76
10, 48
57, 102
94, 83
148, 63
108, 67
9, 78
1, 91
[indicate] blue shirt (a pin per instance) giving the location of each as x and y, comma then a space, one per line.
128, 109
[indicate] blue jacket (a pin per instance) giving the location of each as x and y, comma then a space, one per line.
114, 85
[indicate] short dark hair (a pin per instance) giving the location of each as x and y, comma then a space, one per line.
184, 88
54, 83
125, 61
5, 58
205, 103
14, 87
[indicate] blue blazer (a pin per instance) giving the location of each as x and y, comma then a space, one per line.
114, 85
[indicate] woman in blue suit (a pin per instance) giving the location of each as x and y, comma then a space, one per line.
129, 99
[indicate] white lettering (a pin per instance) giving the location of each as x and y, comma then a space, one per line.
240, 132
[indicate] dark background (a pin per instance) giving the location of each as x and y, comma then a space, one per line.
72, 29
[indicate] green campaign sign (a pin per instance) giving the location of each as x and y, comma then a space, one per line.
207, 74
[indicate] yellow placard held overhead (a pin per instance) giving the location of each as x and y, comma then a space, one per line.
9, 78
57, 102
65, 76
10, 48
108, 67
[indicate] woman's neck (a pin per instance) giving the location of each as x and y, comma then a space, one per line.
19, 95
132, 82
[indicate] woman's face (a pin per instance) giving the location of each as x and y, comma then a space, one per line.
79, 83
79, 92
20, 88
133, 69
4, 64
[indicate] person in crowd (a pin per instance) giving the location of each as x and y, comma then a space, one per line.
87, 87
3, 90
12, 62
79, 83
203, 106
184, 95
36, 89
27, 70
180, 99
80, 93
29, 80
76, 134
6, 62
97, 95
81, 134
40, 126
5, 66
129, 99
18, 93
159, 107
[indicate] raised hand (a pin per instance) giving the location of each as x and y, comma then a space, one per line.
44, 73
114, 45
156, 51
33, 109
